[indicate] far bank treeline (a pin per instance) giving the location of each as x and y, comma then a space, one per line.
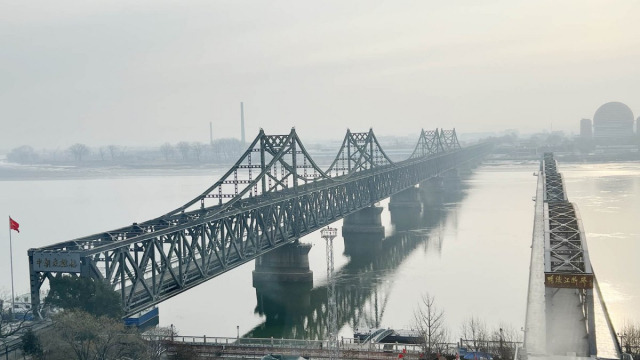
219, 151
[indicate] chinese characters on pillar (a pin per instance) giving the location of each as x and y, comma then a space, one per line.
574, 281
57, 262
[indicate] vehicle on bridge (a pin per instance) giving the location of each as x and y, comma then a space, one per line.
389, 336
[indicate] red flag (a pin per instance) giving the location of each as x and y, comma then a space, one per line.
13, 225
400, 356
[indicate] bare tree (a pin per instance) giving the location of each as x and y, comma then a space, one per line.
157, 339
9, 327
503, 341
184, 148
23, 154
87, 337
113, 150
429, 320
630, 339
167, 150
102, 151
475, 332
197, 149
226, 149
79, 151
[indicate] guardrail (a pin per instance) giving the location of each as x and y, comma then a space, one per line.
344, 344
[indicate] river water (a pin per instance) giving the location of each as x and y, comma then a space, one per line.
469, 248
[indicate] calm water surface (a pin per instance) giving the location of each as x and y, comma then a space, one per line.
469, 248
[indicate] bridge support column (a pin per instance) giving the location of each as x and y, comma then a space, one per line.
287, 264
406, 199
283, 280
405, 208
451, 179
466, 168
431, 190
363, 230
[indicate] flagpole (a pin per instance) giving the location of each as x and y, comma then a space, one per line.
13, 307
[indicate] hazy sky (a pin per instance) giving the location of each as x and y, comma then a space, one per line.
148, 72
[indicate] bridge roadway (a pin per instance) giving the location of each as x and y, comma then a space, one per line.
272, 196
566, 314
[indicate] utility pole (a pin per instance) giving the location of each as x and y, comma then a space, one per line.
329, 234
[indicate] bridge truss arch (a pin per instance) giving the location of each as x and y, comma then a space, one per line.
273, 195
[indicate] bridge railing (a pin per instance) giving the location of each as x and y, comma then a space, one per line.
275, 343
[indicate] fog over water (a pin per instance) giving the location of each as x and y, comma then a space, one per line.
148, 72
470, 248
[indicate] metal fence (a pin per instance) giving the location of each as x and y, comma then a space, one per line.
345, 344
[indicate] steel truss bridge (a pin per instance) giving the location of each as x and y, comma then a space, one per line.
273, 195
566, 314
361, 293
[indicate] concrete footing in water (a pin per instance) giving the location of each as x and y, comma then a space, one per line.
284, 270
405, 208
363, 231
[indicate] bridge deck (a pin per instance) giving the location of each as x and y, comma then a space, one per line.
535, 331
563, 319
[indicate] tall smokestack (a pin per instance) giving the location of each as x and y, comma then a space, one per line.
242, 123
210, 133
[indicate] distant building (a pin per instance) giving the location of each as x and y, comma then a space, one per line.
586, 131
613, 120
638, 126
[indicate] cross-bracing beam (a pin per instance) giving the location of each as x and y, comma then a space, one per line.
272, 196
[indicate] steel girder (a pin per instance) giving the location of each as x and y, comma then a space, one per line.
565, 244
358, 152
435, 142
567, 251
449, 139
160, 258
567, 263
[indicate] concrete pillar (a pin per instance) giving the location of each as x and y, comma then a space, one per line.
366, 221
282, 278
431, 191
466, 168
363, 231
287, 264
406, 199
405, 208
451, 174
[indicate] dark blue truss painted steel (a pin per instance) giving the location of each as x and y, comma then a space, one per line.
273, 195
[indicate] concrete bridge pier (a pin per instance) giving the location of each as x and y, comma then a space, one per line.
466, 168
283, 277
363, 231
431, 191
405, 208
451, 179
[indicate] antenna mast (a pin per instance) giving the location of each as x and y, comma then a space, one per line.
329, 234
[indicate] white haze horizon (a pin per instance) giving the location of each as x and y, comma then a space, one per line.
150, 72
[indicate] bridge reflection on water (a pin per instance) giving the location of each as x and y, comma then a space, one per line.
362, 288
